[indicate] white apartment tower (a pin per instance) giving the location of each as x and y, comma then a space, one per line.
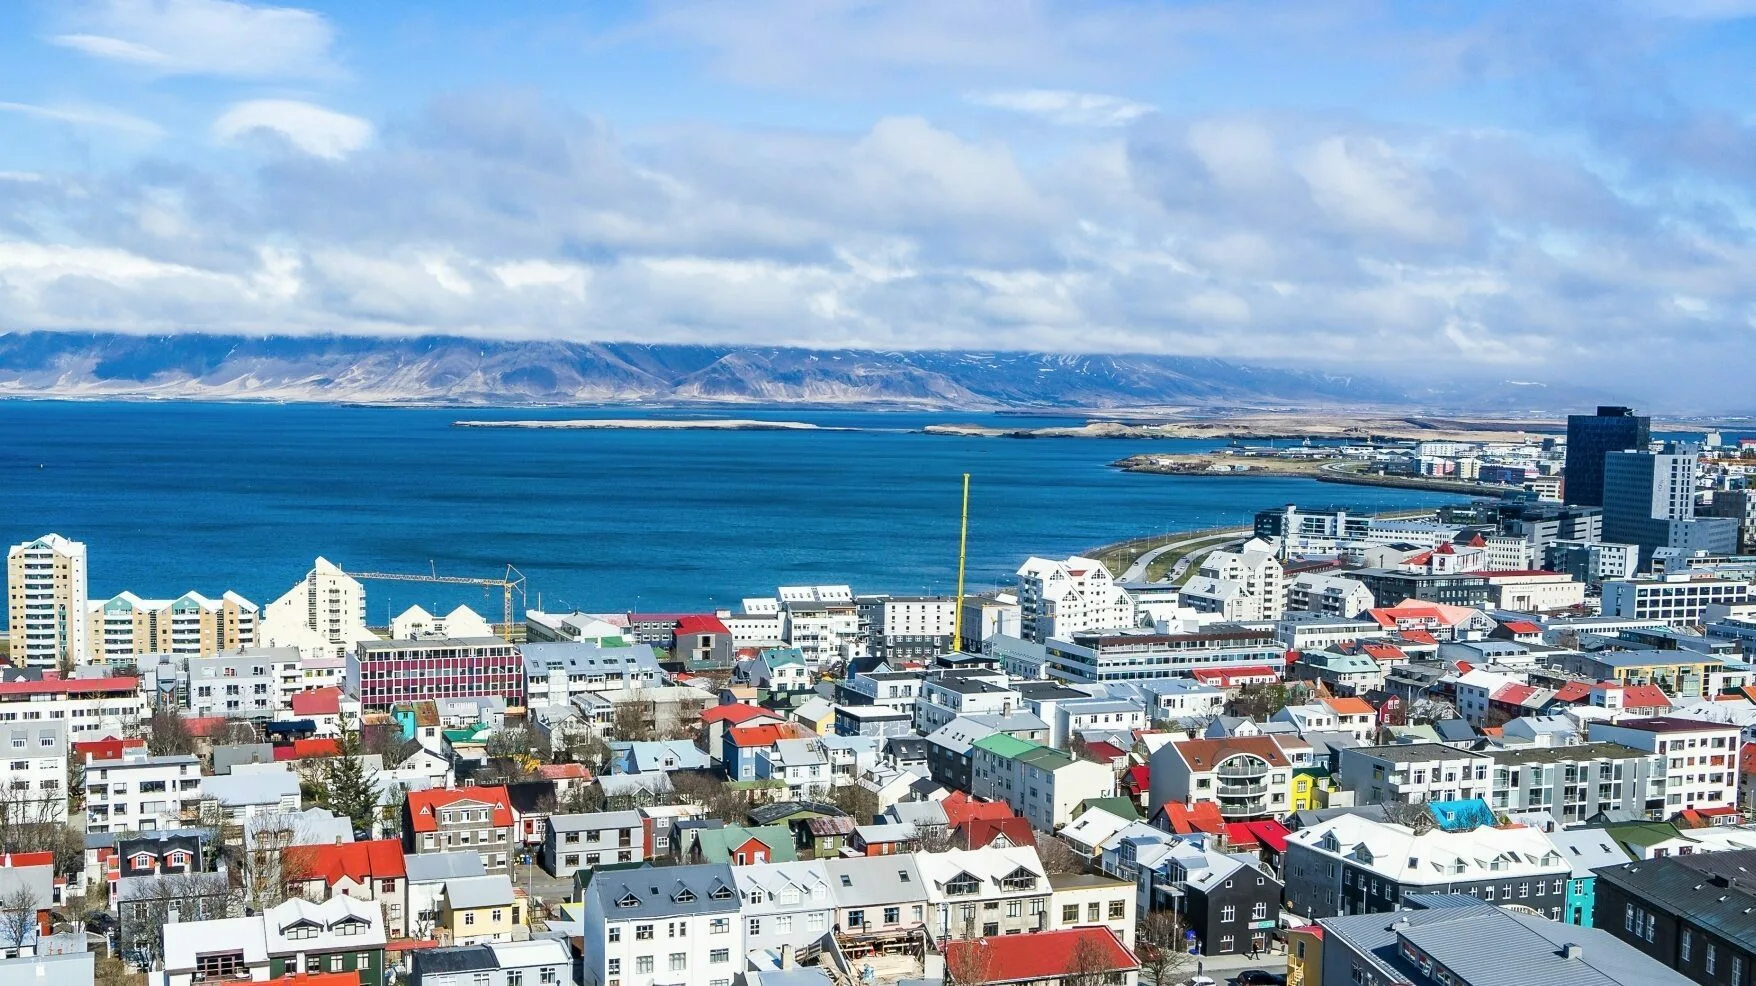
1061, 598
323, 616
1246, 584
46, 601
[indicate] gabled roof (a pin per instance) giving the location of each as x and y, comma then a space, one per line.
424, 806
1184, 819
979, 832
1041, 956
960, 808
1349, 706
380, 859
317, 702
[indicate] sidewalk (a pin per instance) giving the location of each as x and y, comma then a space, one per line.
1224, 967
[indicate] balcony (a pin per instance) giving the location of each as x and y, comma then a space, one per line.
1243, 809
1242, 767
1241, 791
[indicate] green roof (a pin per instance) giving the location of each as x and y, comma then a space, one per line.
456, 736
775, 657
1121, 807
716, 844
1044, 758
1642, 834
1002, 745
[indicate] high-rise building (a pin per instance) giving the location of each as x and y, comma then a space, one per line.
323, 615
1649, 500
1589, 438
129, 626
45, 602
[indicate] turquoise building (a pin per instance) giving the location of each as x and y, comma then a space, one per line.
1585, 849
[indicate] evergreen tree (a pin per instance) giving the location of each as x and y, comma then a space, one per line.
343, 786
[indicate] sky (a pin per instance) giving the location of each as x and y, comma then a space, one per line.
1554, 193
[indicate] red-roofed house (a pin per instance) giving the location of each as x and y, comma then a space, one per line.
108, 748
1353, 715
364, 870
1108, 754
1187, 819
478, 818
717, 719
1041, 957
961, 808
1230, 680
703, 643
324, 707
307, 749
1747, 775
1136, 783
1002, 833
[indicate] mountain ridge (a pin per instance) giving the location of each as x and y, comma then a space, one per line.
464, 371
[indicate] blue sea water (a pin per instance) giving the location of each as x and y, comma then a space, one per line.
177, 496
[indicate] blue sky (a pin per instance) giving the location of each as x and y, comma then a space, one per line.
1552, 192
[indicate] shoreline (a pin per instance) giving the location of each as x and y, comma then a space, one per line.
652, 424
1197, 467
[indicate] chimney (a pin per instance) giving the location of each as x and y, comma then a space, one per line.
1572, 950
786, 956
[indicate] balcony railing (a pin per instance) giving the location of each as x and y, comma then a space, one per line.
1235, 769
1242, 791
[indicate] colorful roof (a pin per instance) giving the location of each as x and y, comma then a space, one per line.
1644, 697
317, 702
754, 736
379, 859
563, 771
108, 748
423, 806
1105, 751
1185, 819
735, 713
1349, 706
961, 808
1223, 677
307, 749
1521, 626
1573, 691
980, 832
70, 686
1267, 832
206, 726
1043, 955
1138, 777
1747, 759
701, 624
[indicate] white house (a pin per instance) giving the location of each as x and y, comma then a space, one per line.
1060, 598
1701, 757
140, 792
678, 924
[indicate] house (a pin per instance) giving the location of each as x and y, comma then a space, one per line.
27, 877
1231, 902
1249, 776
251, 790
1343, 673
1685, 912
427, 876
297, 936
362, 870
1040, 784
646, 926
1586, 850
478, 909
526, 963
137, 791
717, 719
877, 895
1091, 899
1410, 773
591, 840
737, 845
961, 885
784, 904
781, 670
1702, 768
478, 818
1353, 715
1050, 958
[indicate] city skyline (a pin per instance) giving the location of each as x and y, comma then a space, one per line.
1558, 195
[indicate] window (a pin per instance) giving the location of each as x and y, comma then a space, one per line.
1228, 913
643, 965
1687, 941
1524, 888
755, 926
1118, 909
1707, 960
1628, 918
1259, 912
1652, 925
613, 967
1069, 913
892, 915
1225, 944
498, 915
615, 934
990, 929
719, 926
679, 961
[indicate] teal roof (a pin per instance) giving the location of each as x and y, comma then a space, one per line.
716, 845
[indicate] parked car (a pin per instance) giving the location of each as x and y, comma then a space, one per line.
1261, 977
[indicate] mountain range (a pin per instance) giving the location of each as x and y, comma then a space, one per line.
442, 369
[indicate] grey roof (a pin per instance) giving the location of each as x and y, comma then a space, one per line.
40, 880
1489, 946
617, 785
63, 969
864, 881
872, 712
960, 733
433, 867
930, 813
226, 756
1714, 890
254, 788
1519, 756
1587, 849
1414, 752
773, 812
671, 891
455, 958
479, 891
596, 820
588, 658
1316, 816
1455, 730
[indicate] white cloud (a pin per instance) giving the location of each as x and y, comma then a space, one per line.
1066, 108
87, 116
203, 37
312, 129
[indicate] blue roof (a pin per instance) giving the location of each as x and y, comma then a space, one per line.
1462, 815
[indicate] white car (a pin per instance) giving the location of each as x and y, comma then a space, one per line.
1202, 981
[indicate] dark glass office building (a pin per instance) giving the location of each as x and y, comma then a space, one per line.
1592, 436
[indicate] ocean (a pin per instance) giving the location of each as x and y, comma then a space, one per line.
171, 497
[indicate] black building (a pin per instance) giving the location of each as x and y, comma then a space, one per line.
1390, 586
1332, 872
1589, 438
1232, 909
1696, 913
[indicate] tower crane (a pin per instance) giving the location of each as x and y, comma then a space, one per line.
513, 582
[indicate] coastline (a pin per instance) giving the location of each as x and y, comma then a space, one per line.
654, 424
1200, 467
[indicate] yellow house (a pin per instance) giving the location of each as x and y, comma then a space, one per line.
1310, 788
479, 909
816, 715
1305, 956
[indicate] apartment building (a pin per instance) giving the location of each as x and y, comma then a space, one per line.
557, 673
1043, 785
1680, 598
785, 904
324, 614
33, 771
822, 622
1330, 595
1062, 598
950, 694
126, 626
240, 684
1141, 655
1679, 673
385, 672
1243, 585
897, 690
1351, 864
473, 818
521, 963
46, 602
1689, 913
908, 628
1701, 758
1574, 783
1249, 776
981, 893
1414, 773
591, 840
140, 792
93, 708
1076, 716
296, 937
648, 927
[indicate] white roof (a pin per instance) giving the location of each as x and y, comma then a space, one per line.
988, 865
188, 940
1396, 852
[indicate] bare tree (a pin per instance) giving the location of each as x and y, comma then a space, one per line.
153, 903
1431, 710
167, 732
1159, 941
240, 731
586, 747
859, 801
386, 740
1087, 965
933, 838
33, 821
969, 962
715, 797
632, 721
275, 859
512, 742
18, 916
1058, 856
1414, 816
583, 798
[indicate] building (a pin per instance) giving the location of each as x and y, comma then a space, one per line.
525, 963
1091, 899
295, 937
128, 626
1043, 785
1354, 865
33, 771
1592, 561
1701, 768
703, 643
784, 904
1649, 500
385, 672
1141, 655
139, 792
1330, 595
983, 893
416, 622
46, 602
478, 818
1231, 904
238, 684
1679, 598
475, 910
1390, 586
1468, 943
1049, 958
1590, 438
1063, 598
1243, 585
1574, 783
1691, 913
1533, 590
557, 673
1586, 849
822, 622
373, 870
909, 628
93, 708
591, 840
1414, 773
1249, 776
1678, 673
950, 694
647, 927
323, 615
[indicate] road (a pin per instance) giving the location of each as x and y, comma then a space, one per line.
1137, 571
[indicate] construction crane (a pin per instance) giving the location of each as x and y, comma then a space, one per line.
962, 547
513, 582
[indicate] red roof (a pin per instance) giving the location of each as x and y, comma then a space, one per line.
1513, 694
307, 748
701, 624
317, 702
735, 713
1573, 691
423, 805
70, 686
1270, 833
1644, 697
1418, 637
563, 771
1105, 751
319, 979
380, 859
753, 736
1382, 651
1223, 677
1747, 759
1349, 706
1521, 626
1042, 955
109, 748
1202, 816
960, 808
206, 726
17, 859
979, 832
1138, 777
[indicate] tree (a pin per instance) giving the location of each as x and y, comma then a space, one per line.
857, 800
152, 904
586, 747
1261, 701
1428, 711
969, 962
583, 798
274, 857
167, 733
715, 797
1087, 965
632, 721
385, 740
1058, 856
18, 916
1161, 944
513, 742
1414, 816
32, 822
240, 731
343, 786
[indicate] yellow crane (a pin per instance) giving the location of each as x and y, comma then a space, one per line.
962, 546
513, 582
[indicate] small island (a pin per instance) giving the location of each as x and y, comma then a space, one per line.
654, 424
